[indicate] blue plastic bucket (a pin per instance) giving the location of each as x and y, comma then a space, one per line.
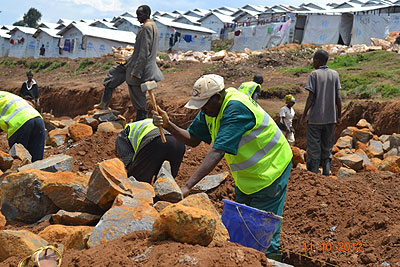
249, 226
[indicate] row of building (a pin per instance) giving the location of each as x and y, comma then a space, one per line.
251, 26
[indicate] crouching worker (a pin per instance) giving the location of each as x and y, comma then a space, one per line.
22, 123
140, 147
257, 152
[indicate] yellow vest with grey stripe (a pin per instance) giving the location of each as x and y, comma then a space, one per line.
263, 153
248, 88
138, 130
15, 111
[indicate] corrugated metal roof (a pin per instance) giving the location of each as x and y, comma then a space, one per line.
48, 25
114, 35
342, 10
4, 34
109, 25
193, 20
223, 18
23, 29
51, 32
133, 21
178, 25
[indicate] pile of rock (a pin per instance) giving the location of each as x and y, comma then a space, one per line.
64, 132
121, 54
88, 211
359, 149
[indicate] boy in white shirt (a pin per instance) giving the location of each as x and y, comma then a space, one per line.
287, 114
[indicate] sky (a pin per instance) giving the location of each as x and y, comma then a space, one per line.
52, 10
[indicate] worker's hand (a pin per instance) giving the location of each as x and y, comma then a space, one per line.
160, 118
185, 191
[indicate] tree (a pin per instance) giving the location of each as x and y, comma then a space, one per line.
30, 19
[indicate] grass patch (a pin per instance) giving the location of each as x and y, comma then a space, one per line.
110, 63
55, 65
37, 66
162, 55
8, 63
351, 81
388, 90
172, 70
346, 61
210, 67
297, 71
218, 45
84, 64
377, 74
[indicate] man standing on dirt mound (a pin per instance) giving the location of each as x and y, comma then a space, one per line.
22, 123
259, 157
325, 106
139, 68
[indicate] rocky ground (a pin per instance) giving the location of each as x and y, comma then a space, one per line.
350, 221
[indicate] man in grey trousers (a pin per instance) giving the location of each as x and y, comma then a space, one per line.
139, 68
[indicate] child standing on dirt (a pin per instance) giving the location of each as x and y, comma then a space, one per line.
325, 106
287, 114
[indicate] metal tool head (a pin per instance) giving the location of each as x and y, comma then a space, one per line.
150, 85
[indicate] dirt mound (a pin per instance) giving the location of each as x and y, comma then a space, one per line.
137, 250
351, 222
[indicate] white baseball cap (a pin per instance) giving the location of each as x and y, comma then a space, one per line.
203, 89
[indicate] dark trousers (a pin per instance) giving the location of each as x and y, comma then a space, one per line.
272, 199
320, 140
32, 136
148, 161
114, 78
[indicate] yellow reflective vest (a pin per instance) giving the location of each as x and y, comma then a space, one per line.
15, 111
263, 153
138, 130
248, 88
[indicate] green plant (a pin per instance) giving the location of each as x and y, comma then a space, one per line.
218, 45
346, 61
162, 55
9, 63
377, 74
55, 65
352, 81
84, 64
388, 90
364, 91
211, 67
297, 71
108, 64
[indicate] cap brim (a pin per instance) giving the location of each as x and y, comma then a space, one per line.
196, 103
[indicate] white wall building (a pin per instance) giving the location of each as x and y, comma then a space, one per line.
216, 22
128, 24
4, 43
50, 39
22, 43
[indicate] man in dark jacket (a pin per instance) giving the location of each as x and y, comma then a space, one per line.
29, 90
139, 68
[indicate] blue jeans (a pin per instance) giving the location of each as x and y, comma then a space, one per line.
272, 199
31, 135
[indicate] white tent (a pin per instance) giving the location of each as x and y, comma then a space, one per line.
4, 43
322, 29
216, 22
191, 37
50, 39
394, 22
367, 26
22, 43
261, 36
81, 40
128, 24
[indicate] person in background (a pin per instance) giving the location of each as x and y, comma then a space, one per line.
30, 90
287, 114
259, 157
42, 51
22, 123
139, 68
252, 89
323, 109
140, 147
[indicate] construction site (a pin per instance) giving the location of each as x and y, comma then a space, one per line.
349, 218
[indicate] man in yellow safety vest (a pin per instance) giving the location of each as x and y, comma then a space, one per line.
252, 89
140, 147
257, 152
22, 123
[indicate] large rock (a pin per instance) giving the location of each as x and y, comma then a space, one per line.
297, 156
201, 201
363, 123
79, 131
165, 186
160, 205
72, 237
3, 221
384, 138
6, 161
92, 122
394, 140
57, 137
22, 197
354, 162
361, 146
18, 151
111, 126
106, 115
209, 182
185, 224
74, 218
391, 164
364, 156
348, 131
375, 149
109, 179
343, 172
376, 162
343, 153
143, 193
56, 163
392, 152
362, 135
122, 220
67, 191
19, 243
345, 142
386, 146
219, 55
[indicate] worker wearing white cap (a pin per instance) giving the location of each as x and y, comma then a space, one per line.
258, 154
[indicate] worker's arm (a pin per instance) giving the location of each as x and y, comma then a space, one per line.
210, 161
309, 102
145, 39
339, 108
182, 135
